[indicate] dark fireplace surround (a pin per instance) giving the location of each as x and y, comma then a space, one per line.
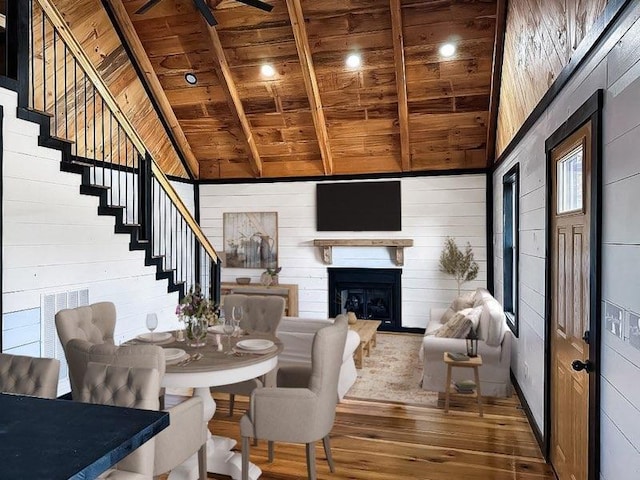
371, 293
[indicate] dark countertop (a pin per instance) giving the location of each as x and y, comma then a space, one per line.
61, 439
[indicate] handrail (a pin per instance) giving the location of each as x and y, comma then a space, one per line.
78, 53
173, 195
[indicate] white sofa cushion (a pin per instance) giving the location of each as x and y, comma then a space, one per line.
491, 323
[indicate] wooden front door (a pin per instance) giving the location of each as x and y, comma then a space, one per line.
570, 289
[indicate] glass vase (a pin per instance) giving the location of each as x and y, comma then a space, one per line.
196, 331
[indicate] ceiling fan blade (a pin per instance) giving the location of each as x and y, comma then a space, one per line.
206, 12
258, 4
146, 7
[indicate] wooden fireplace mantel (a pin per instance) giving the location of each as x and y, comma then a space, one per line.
397, 244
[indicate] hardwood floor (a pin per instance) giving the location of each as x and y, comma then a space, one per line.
387, 441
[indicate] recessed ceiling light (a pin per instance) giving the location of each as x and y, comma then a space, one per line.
267, 70
354, 60
447, 50
191, 79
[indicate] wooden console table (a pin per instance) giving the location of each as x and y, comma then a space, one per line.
367, 330
288, 292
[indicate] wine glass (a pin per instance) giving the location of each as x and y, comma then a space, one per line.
152, 323
228, 328
236, 314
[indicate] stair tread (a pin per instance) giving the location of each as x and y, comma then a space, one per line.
80, 162
102, 187
41, 112
65, 140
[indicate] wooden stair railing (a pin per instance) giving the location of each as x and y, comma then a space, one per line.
60, 88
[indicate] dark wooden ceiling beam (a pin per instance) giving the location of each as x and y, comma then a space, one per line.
310, 82
233, 97
401, 83
159, 95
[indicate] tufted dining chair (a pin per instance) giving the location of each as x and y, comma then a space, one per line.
302, 408
94, 323
261, 314
79, 353
24, 375
137, 387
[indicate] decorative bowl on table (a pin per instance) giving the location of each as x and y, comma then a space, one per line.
243, 280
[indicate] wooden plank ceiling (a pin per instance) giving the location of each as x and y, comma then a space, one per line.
406, 108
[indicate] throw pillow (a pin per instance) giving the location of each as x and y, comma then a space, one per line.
459, 303
458, 327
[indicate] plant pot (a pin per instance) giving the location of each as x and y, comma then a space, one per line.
265, 279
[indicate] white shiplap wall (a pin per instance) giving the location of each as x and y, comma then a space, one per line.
614, 67
432, 209
54, 241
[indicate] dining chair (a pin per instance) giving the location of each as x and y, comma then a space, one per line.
94, 323
302, 407
79, 353
261, 314
137, 387
33, 376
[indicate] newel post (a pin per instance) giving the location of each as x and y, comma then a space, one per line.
145, 198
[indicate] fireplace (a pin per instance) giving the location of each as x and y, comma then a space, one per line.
371, 293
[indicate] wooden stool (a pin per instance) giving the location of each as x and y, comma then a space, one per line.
474, 363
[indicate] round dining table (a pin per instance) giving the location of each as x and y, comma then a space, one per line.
221, 364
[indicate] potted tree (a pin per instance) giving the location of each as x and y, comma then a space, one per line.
460, 265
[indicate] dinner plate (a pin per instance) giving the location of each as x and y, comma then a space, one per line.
255, 344
216, 329
171, 354
154, 337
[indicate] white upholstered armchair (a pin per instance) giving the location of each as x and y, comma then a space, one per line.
37, 377
260, 314
301, 409
137, 387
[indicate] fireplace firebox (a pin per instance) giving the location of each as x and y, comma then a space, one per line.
371, 293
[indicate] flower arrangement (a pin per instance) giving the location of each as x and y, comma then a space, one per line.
196, 305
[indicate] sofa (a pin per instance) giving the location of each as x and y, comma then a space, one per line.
494, 345
297, 334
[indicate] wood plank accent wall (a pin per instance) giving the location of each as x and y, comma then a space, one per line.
541, 36
90, 24
615, 67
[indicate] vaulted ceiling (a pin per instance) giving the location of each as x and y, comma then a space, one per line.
405, 109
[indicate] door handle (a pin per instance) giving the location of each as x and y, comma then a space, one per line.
587, 337
579, 365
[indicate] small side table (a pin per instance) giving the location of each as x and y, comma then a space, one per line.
474, 363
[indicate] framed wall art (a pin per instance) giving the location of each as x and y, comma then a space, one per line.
251, 239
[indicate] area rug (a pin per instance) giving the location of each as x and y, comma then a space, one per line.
392, 372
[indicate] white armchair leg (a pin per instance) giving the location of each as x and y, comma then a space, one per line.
327, 452
270, 450
202, 462
245, 458
232, 402
311, 461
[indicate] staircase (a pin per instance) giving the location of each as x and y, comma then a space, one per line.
59, 89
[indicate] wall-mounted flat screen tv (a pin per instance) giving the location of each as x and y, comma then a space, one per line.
358, 206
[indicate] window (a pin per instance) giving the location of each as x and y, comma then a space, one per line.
570, 181
510, 213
